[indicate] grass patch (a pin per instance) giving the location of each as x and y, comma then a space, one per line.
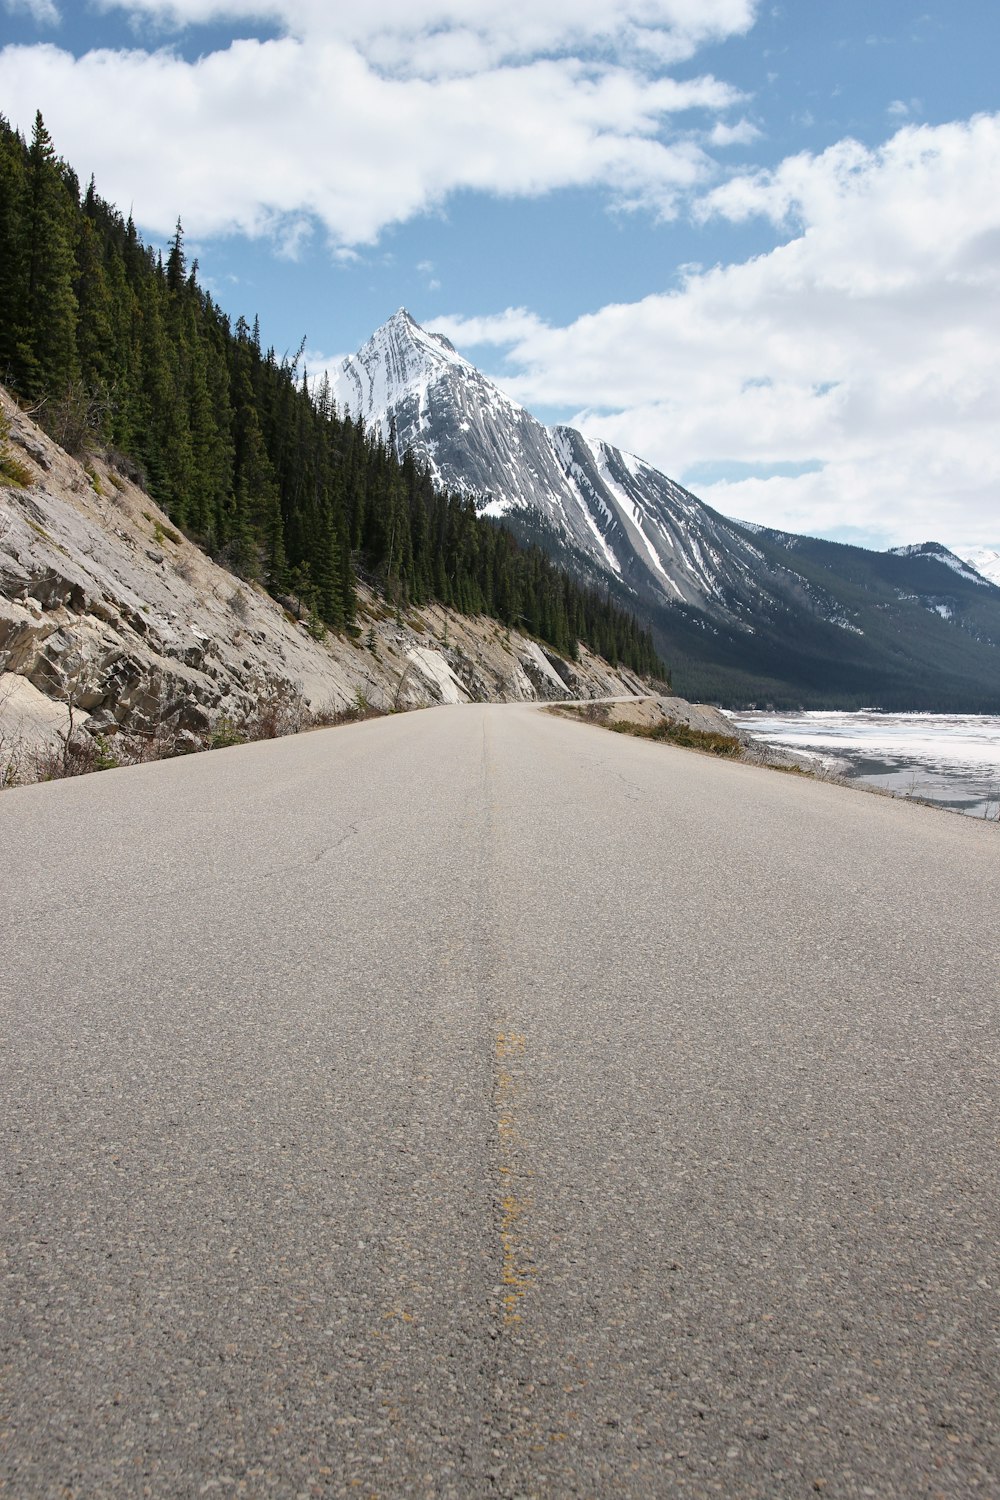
162, 533
709, 741
332, 718
14, 472
590, 713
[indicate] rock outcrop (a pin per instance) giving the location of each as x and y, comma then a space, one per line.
112, 622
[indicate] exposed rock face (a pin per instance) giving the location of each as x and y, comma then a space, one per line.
633, 523
108, 615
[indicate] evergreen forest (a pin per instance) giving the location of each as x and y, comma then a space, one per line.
114, 348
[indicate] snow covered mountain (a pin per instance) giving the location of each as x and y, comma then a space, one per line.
740, 612
630, 521
965, 567
985, 561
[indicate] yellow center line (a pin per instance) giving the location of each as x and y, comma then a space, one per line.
516, 1269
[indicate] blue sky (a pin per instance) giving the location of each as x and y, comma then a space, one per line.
755, 243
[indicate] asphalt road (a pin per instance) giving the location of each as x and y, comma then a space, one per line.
474, 1103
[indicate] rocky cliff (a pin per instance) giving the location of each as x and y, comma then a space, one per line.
114, 627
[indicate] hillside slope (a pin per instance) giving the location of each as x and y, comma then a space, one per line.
119, 349
909, 630
114, 624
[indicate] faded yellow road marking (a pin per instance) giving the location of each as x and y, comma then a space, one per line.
516, 1268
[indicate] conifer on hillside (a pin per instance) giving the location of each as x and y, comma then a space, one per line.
117, 349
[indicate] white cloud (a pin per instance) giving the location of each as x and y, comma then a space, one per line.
516, 325
742, 133
293, 236
867, 344
418, 37
45, 12
266, 134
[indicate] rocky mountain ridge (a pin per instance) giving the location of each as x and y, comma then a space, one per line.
114, 624
630, 521
741, 613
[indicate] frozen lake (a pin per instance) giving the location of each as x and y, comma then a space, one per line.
953, 759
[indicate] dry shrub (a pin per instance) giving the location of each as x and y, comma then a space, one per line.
707, 740
75, 418
279, 710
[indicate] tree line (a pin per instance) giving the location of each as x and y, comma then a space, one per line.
118, 347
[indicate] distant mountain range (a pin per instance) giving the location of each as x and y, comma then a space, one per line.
742, 613
985, 561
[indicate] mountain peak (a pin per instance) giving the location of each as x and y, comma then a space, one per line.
400, 361
403, 329
389, 383
935, 552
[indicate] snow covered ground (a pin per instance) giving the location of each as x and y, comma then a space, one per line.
952, 759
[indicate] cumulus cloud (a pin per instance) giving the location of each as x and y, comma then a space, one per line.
435, 36
866, 346
323, 123
513, 326
742, 133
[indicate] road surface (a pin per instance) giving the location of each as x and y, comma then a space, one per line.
475, 1103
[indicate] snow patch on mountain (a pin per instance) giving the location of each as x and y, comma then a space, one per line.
940, 554
985, 561
626, 504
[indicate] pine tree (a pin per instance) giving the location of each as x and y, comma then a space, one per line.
13, 248
233, 442
48, 357
176, 266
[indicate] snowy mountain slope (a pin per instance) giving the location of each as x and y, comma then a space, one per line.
742, 613
418, 390
985, 561
631, 521
962, 566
